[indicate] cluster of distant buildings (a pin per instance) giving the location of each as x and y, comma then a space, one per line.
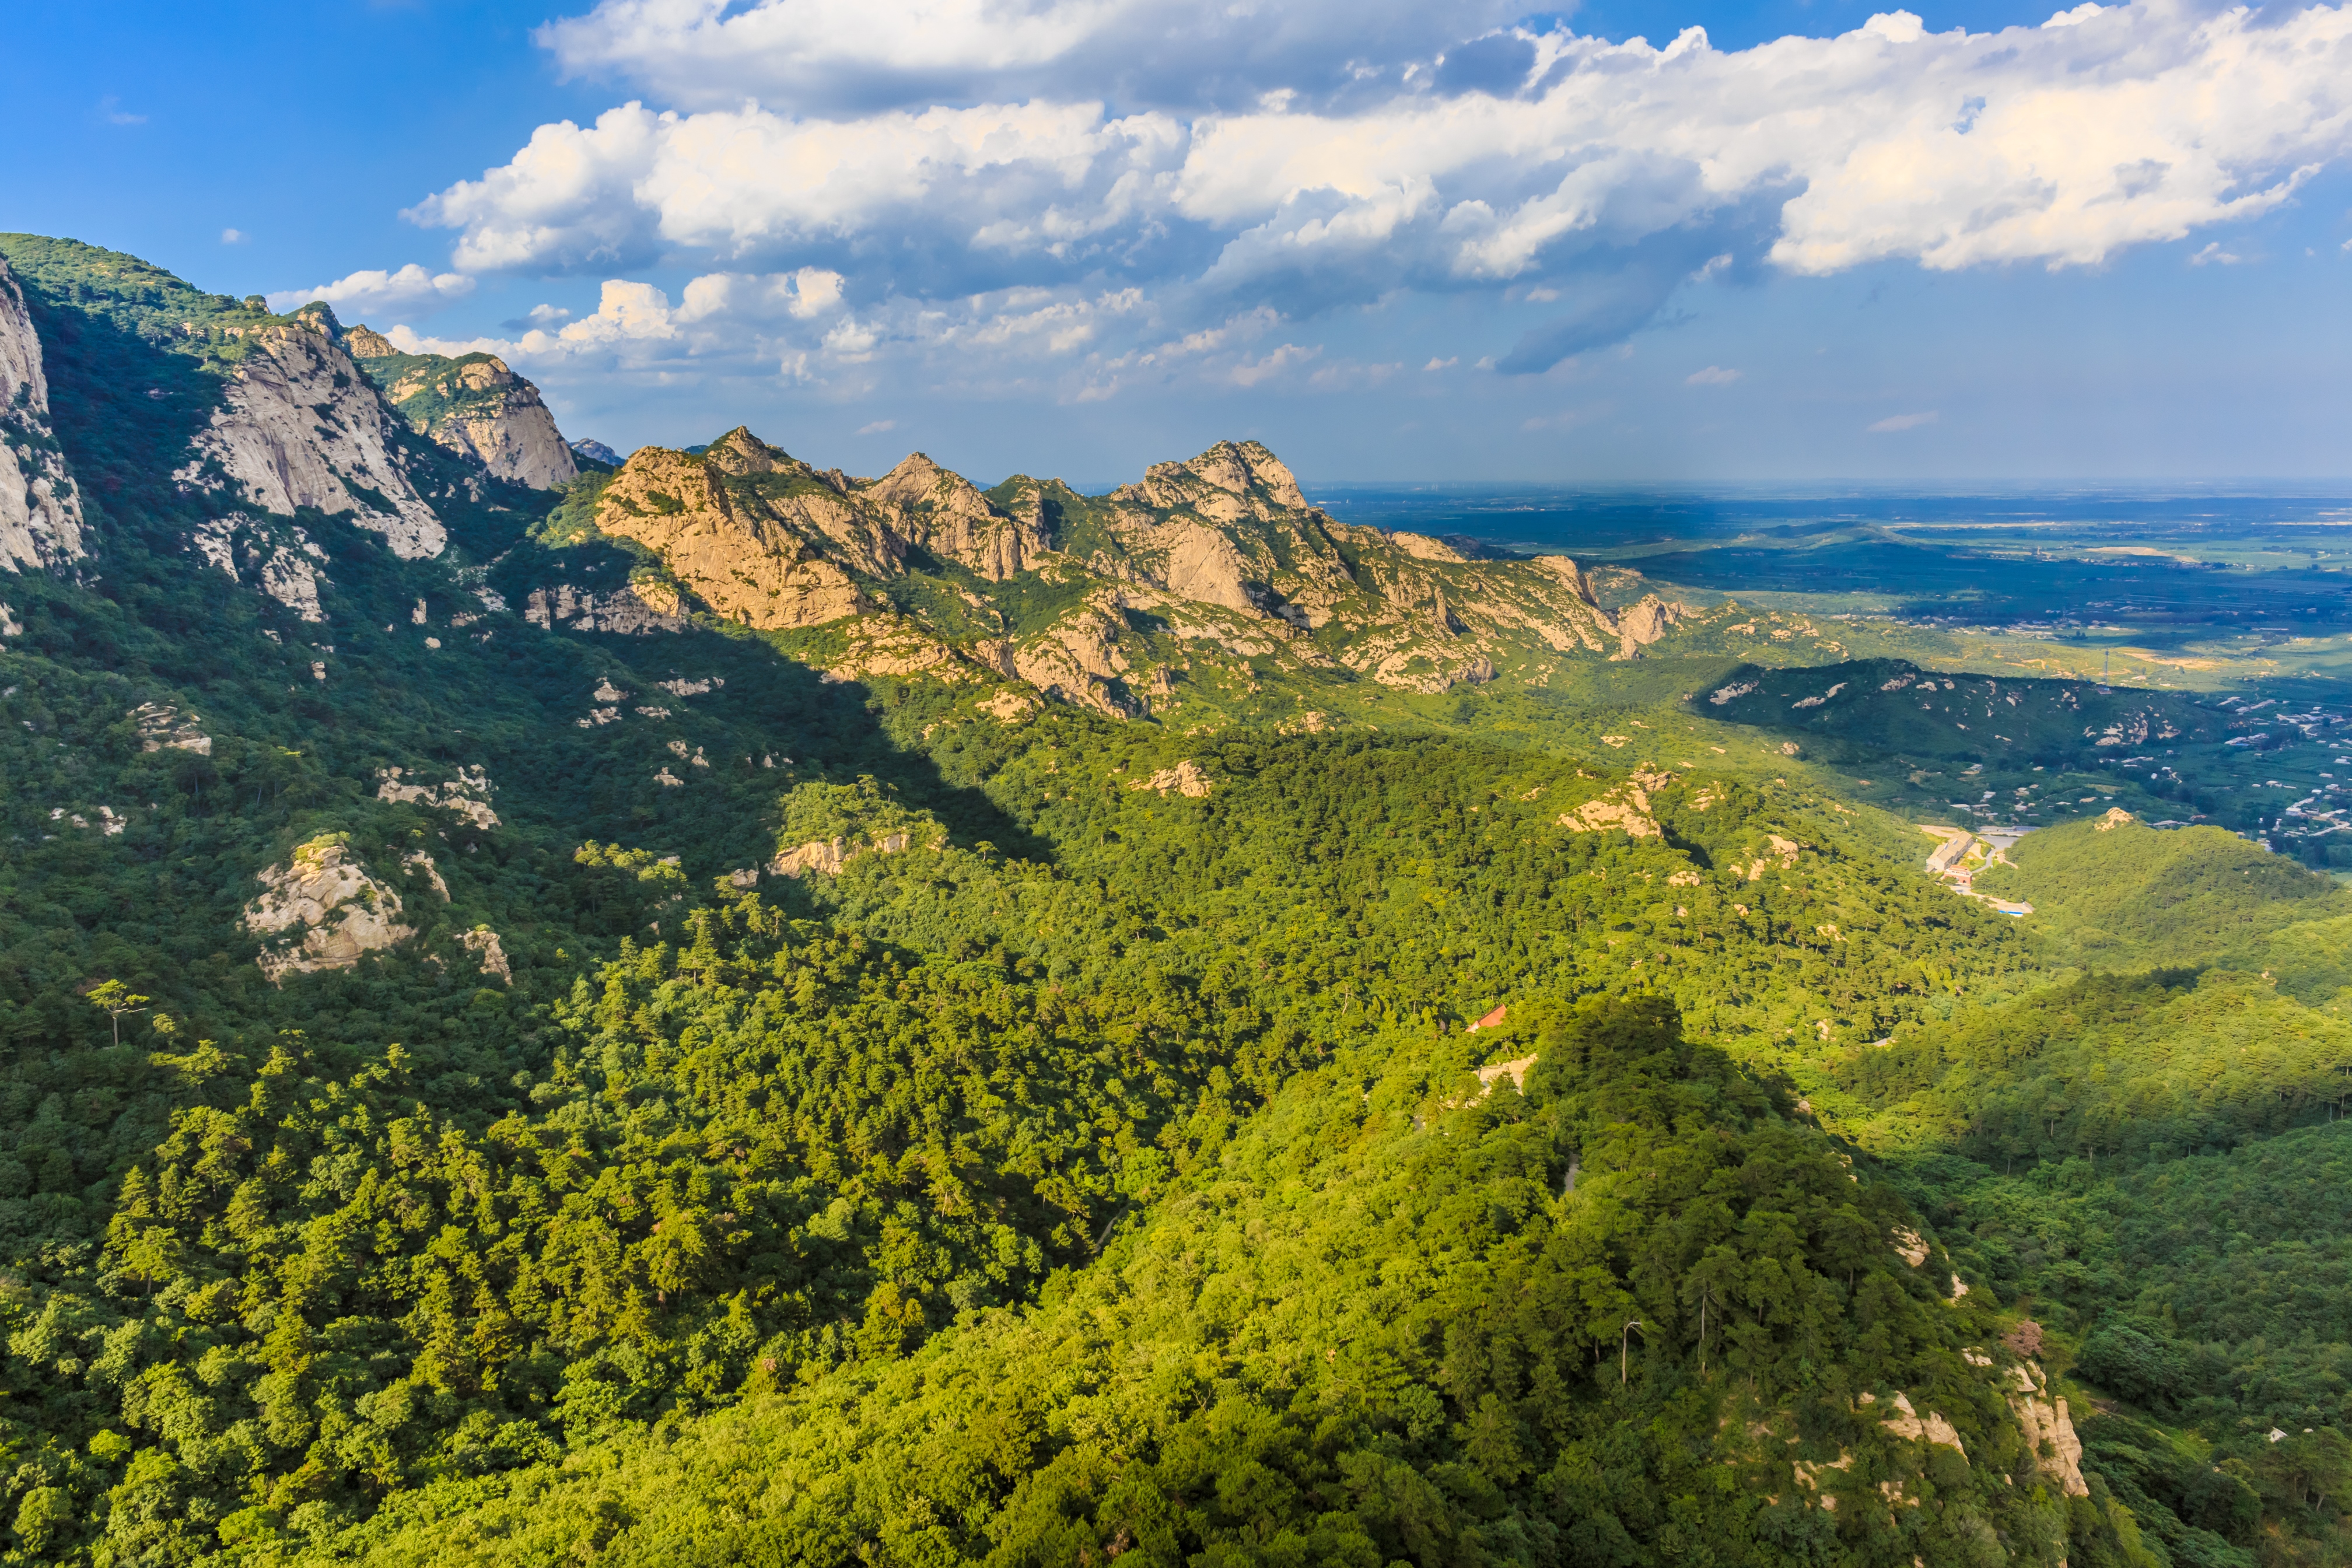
1963, 853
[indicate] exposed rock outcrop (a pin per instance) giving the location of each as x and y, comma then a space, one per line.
1077, 660
321, 910
472, 405
280, 560
41, 507
483, 944
940, 513
760, 537
1185, 779
1625, 808
417, 863
1207, 565
825, 856
1009, 707
1225, 484
829, 855
1781, 852
301, 426
640, 609
468, 794
162, 727
1516, 1070
1907, 1422
2049, 1432
1643, 623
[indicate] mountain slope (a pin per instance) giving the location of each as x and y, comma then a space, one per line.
1257, 1373
1866, 708
2116, 892
472, 405
649, 1031
182, 408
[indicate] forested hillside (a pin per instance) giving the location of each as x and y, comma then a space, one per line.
501, 1061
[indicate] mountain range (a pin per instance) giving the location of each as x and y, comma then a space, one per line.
698, 1008
1190, 581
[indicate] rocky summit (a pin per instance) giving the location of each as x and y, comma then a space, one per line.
1202, 576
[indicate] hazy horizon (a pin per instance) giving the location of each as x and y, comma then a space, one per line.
1633, 243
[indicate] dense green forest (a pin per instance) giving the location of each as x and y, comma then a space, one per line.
901, 1126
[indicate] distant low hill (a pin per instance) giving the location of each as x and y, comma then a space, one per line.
2116, 892
1874, 706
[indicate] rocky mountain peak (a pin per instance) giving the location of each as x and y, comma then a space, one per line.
1227, 482
473, 405
917, 481
1265, 470
300, 426
741, 452
941, 512
484, 373
1203, 565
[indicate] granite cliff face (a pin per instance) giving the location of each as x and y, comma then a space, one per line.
1217, 568
473, 405
300, 426
322, 910
247, 418
760, 537
468, 794
40, 508
941, 513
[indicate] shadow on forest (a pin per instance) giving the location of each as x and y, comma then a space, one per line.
124, 408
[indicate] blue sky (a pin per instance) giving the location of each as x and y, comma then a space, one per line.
1393, 241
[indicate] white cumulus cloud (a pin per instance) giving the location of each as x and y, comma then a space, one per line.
1895, 422
1713, 375
743, 182
942, 157
411, 291
841, 58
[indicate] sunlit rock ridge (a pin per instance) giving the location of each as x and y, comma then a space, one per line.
472, 405
1217, 568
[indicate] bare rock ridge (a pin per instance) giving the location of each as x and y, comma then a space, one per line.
473, 405
301, 426
1213, 562
279, 558
40, 508
468, 794
940, 513
321, 908
287, 418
